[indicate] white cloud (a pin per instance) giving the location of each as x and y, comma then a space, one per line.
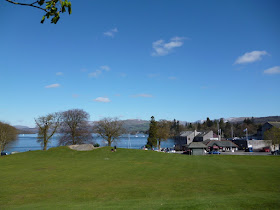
102, 99
172, 78
144, 95
95, 74
99, 71
123, 75
59, 73
153, 75
111, 33
52, 86
106, 68
273, 70
84, 70
162, 48
250, 57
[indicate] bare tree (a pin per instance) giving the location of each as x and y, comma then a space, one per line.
163, 131
75, 127
47, 125
8, 134
110, 129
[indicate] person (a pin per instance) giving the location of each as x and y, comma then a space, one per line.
115, 148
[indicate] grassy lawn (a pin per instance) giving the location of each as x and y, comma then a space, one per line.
61, 178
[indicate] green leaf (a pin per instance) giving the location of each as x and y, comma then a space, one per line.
41, 2
69, 9
43, 19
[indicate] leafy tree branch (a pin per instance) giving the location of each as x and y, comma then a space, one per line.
53, 8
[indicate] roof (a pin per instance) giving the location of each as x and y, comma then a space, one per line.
196, 145
206, 141
186, 133
202, 134
275, 124
223, 143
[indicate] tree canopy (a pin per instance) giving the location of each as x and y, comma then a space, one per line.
8, 134
163, 131
75, 128
110, 129
274, 135
47, 126
152, 139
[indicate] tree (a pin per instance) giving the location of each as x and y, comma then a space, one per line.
52, 8
8, 134
110, 129
163, 131
152, 139
75, 127
47, 127
209, 122
274, 135
198, 126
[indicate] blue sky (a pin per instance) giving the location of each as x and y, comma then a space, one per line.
133, 59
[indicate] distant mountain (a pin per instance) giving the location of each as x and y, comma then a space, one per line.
135, 125
20, 127
25, 130
260, 120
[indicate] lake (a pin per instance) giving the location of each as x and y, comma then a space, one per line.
26, 142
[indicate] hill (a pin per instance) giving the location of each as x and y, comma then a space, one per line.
133, 126
260, 120
61, 178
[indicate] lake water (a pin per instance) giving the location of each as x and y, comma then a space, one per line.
26, 142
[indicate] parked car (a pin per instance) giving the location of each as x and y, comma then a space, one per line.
265, 149
187, 152
4, 153
214, 152
276, 152
249, 149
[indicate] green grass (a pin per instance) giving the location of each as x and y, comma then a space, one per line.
61, 178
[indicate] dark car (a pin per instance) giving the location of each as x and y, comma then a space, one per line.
187, 152
4, 153
276, 152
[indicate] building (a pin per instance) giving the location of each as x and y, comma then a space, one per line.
185, 138
269, 125
257, 145
197, 148
222, 146
203, 136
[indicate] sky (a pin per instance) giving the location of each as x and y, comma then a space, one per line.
182, 59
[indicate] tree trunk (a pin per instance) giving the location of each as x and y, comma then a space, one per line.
159, 145
45, 146
109, 142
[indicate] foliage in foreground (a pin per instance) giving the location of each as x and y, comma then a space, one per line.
52, 8
8, 134
63, 178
